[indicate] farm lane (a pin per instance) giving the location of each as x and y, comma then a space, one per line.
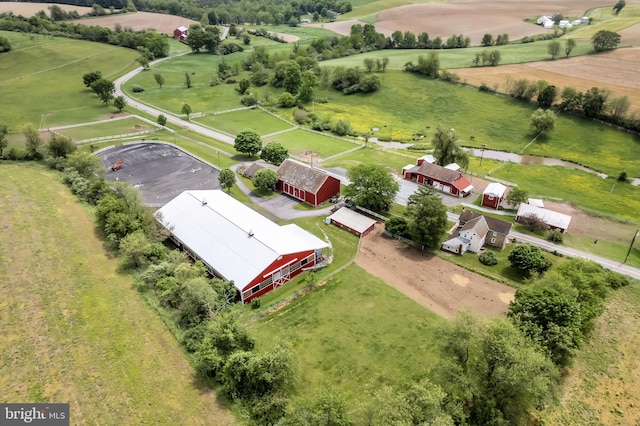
609, 264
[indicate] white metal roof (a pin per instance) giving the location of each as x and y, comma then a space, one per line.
538, 202
234, 240
495, 188
353, 220
551, 218
428, 158
182, 29
452, 166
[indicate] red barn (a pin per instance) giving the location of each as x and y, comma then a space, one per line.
305, 183
493, 195
180, 33
441, 178
238, 244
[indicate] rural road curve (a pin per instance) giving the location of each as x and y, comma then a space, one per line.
566, 251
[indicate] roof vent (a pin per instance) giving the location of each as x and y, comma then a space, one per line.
204, 201
250, 233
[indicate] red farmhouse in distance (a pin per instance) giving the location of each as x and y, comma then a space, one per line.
445, 179
181, 33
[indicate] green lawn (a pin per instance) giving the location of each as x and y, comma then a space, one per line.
368, 155
300, 141
354, 333
109, 128
42, 79
460, 58
587, 191
604, 19
74, 329
254, 119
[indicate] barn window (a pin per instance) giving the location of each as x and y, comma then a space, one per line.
304, 261
493, 241
490, 197
495, 233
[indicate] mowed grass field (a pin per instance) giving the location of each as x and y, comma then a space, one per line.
107, 128
354, 334
74, 329
254, 119
299, 142
462, 58
43, 76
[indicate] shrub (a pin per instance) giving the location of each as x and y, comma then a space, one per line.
301, 116
255, 303
342, 127
484, 87
622, 177
397, 226
419, 147
286, 100
249, 99
488, 258
137, 89
555, 236
449, 76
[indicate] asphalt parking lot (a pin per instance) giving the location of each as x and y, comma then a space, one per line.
160, 171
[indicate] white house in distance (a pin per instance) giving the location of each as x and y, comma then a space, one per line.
555, 221
238, 244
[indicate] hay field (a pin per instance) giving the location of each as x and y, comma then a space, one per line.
140, 21
74, 328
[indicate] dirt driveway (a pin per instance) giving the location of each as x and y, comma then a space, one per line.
437, 284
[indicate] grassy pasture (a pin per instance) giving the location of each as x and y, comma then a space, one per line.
587, 191
74, 329
407, 104
300, 141
354, 334
234, 122
461, 58
369, 7
109, 128
45, 75
604, 19
373, 156
603, 386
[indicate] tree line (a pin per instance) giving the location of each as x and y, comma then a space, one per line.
149, 42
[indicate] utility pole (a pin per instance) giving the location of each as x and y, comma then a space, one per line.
484, 145
631, 245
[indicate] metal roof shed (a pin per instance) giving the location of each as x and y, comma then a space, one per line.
352, 221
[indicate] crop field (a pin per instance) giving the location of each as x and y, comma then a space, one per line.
301, 142
254, 119
108, 128
74, 329
44, 76
353, 333
30, 9
161, 22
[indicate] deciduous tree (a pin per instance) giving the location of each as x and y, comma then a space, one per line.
554, 49
159, 79
427, 218
186, 110
34, 142
91, 77
543, 121
104, 89
161, 120
227, 179
4, 130
274, 153
445, 148
605, 40
547, 96
248, 142
569, 46
372, 186
119, 103
516, 196
265, 180
529, 259
60, 146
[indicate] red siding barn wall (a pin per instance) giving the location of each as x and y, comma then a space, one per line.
177, 33
309, 197
329, 188
280, 186
490, 203
275, 266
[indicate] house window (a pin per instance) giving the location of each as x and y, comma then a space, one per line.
493, 241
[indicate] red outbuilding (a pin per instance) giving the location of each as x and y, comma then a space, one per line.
181, 33
441, 178
493, 195
305, 183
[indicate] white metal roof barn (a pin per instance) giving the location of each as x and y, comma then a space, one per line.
238, 244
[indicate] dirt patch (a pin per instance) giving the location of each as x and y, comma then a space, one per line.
289, 38
342, 27
140, 21
30, 9
435, 283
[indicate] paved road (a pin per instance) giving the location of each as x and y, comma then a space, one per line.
406, 190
